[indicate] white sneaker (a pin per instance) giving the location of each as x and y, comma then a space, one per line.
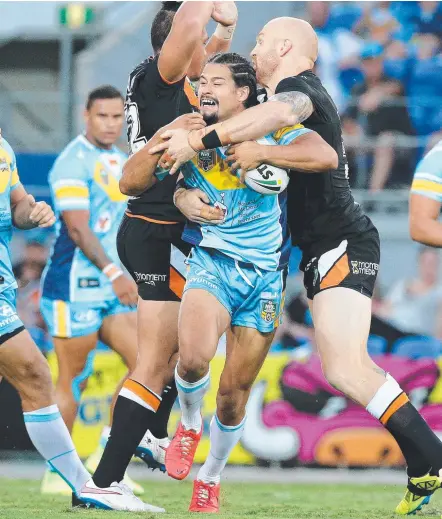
116, 497
153, 451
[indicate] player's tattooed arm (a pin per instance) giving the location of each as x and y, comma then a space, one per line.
308, 152
300, 103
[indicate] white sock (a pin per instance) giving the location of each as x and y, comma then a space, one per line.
104, 435
51, 438
191, 396
223, 439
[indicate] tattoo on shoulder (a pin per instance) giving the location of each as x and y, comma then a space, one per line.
301, 103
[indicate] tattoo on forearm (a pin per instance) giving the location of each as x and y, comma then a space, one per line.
301, 103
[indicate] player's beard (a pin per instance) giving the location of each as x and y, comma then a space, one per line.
210, 118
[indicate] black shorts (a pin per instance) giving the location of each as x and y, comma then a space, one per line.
354, 264
154, 255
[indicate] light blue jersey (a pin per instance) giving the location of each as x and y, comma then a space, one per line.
255, 227
84, 177
9, 320
427, 179
8, 182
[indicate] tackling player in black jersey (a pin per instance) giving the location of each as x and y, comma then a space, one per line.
340, 244
149, 241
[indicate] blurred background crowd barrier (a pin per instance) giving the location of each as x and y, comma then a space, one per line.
382, 64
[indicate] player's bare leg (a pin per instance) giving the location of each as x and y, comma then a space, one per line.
25, 368
72, 355
119, 332
342, 321
246, 351
140, 397
203, 320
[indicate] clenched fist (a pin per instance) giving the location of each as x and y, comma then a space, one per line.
41, 214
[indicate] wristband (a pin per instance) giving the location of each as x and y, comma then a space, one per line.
224, 33
211, 141
112, 272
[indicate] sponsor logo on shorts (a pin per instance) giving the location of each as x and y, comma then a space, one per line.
85, 316
150, 279
203, 272
268, 310
201, 281
88, 283
9, 314
365, 268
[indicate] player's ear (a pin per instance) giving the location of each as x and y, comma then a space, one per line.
286, 46
86, 115
243, 94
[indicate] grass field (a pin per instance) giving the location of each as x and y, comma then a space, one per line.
22, 500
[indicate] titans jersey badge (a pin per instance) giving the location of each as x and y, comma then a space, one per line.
206, 159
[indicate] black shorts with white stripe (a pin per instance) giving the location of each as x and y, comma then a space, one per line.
354, 264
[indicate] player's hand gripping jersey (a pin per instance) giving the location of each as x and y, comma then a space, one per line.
84, 178
255, 228
8, 181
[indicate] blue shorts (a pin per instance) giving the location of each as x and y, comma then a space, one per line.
9, 319
65, 319
254, 298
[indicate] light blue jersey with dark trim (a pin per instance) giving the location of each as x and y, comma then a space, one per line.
84, 177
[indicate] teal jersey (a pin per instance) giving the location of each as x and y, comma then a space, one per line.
427, 179
84, 177
8, 182
254, 229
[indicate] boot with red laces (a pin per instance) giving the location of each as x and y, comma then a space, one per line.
181, 452
205, 497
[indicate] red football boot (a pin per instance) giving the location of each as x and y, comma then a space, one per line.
205, 497
181, 452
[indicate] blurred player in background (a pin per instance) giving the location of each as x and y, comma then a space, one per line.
21, 362
149, 238
85, 294
340, 245
426, 199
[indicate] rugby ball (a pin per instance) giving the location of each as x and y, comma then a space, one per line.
267, 179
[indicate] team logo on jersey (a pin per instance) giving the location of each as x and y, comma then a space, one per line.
221, 205
3, 165
206, 159
104, 222
268, 310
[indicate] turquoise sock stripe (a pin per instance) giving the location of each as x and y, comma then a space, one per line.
30, 417
225, 428
54, 469
194, 388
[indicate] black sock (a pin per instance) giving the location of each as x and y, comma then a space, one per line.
130, 422
417, 465
407, 424
159, 425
